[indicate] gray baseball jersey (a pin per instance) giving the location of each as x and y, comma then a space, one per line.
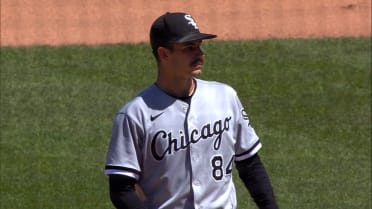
182, 152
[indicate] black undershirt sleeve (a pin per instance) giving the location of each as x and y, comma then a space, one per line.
123, 194
254, 175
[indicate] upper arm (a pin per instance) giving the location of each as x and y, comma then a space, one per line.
124, 155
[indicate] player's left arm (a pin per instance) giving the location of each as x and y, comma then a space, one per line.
248, 163
254, 175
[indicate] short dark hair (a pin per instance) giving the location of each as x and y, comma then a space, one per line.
155, 51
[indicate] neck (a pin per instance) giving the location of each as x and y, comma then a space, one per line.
177, 87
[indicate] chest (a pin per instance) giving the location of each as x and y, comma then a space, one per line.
205, 123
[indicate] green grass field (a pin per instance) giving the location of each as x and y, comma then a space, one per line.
309, 101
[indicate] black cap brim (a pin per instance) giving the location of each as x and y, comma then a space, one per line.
195, 37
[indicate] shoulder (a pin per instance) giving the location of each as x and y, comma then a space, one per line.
136, 103
151, 98
216, 86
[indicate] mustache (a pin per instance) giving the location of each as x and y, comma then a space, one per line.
196, 60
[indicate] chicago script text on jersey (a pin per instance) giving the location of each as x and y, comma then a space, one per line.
173, 145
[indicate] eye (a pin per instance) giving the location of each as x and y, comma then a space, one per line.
193, 47
190, 48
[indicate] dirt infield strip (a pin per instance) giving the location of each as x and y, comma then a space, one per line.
55, 22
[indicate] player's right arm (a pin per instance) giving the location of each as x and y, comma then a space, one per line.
123, 192
122, 163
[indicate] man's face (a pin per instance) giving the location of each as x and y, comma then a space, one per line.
187, 58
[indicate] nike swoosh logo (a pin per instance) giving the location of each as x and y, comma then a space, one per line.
153, 117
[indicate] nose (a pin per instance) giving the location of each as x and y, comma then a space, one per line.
200, 52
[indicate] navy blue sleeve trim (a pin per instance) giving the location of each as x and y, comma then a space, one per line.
123, 169
250, 150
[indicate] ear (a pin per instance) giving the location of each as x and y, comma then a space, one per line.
163, 53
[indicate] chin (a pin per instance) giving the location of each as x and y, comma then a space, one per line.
197, 72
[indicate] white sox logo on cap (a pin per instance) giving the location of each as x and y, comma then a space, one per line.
191, 21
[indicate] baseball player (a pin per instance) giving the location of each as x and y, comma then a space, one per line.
177, 141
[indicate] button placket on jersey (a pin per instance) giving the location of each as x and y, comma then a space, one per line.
195, 157
185, 108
